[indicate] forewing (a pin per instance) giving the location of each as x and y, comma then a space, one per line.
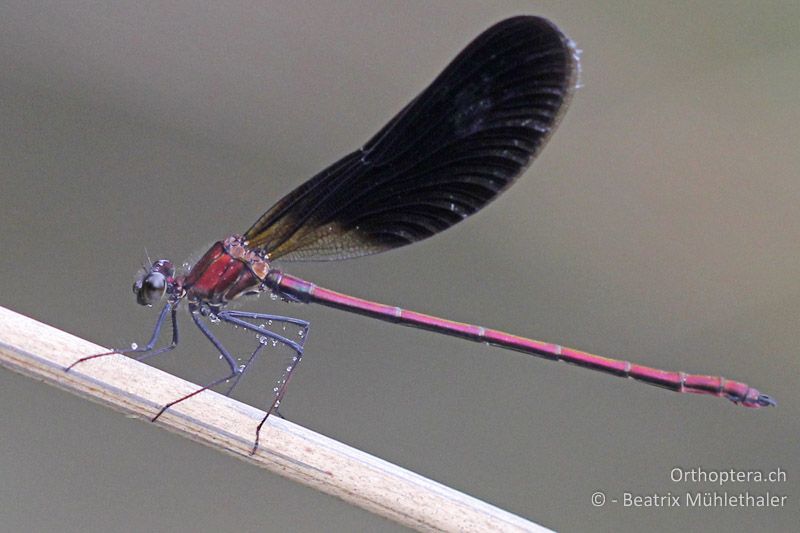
447, 154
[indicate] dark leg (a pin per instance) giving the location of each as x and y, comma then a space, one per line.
235, 370
244, 368
235, 317
147, 350
265, 316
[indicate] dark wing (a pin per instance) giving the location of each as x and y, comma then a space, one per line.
447, 154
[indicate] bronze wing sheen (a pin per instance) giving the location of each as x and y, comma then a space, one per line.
446, 155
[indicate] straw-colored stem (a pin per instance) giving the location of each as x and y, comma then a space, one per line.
43, 352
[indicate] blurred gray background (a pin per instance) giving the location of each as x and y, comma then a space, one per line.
660, 225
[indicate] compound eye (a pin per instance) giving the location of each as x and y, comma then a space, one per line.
150, 289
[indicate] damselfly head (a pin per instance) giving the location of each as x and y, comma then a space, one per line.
152, 283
